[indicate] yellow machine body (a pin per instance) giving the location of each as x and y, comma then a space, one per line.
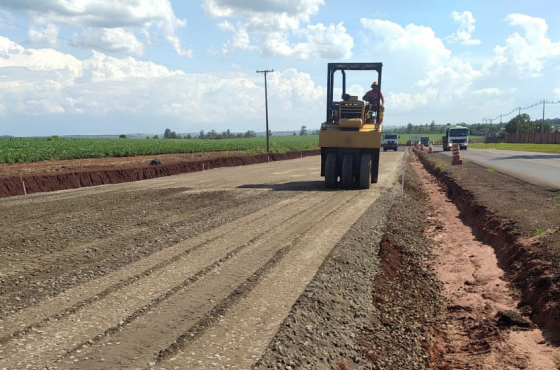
350, 138
366, 137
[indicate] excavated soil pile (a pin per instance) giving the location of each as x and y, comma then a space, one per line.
521, 221
26, 183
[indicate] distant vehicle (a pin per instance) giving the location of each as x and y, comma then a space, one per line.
390, 141
425, 140
456, 135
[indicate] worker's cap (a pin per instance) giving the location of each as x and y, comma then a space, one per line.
374, 84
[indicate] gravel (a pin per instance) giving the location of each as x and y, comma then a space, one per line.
373, 304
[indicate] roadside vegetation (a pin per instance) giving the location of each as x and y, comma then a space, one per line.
436, 138
519, 124
547, 148
25, 150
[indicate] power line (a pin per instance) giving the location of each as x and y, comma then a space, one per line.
519, 109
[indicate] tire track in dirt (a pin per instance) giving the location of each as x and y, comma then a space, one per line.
195, 307
272, 239
141, 229
252, 321
76, 297
79, 251
120, 306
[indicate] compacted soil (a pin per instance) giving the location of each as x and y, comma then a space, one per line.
454, 268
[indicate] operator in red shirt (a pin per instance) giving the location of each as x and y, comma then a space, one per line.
371, 96
371, 108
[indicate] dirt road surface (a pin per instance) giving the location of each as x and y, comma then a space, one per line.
191, 271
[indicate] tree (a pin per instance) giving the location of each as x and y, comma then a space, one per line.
201, 134
212, 134
168, 134
189, 136
303, 131
250, 133
123, 136
520, 123
432, 129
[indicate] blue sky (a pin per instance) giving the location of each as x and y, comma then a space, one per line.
87, 67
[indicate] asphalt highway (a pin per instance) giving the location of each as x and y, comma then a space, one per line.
541, 169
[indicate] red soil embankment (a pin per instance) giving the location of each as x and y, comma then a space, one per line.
11, 185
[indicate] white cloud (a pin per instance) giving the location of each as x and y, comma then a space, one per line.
407, 102
434, 77
490, 91
525, 54
42, 85
66, 66
117, 22
329, 42
281, 28
291, 84
112, 40
47, 35
466, 28
299, 9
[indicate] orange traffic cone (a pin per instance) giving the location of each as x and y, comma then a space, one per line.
430, 148
456, 155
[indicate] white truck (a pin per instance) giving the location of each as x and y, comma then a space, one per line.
456, 135
390, 141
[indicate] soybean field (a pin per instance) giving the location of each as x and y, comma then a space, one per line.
25, 150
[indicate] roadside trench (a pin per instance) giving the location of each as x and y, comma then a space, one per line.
485, 322
415, 284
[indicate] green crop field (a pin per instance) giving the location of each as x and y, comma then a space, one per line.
24, 150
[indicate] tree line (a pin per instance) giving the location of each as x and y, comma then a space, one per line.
212, 134
519, 124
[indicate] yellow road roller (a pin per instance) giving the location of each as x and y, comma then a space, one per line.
350, 137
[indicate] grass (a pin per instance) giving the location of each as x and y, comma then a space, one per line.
25, 150
438, 163
556, 199
490, 169
541, 231
547, 148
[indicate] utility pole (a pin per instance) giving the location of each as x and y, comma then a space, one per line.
542, 124
518, 123
266, 106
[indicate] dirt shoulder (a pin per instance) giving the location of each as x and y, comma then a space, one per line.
434, 302
521, 221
